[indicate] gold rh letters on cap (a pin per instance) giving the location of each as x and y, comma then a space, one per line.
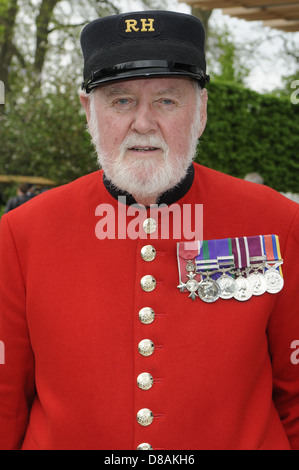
146, 25
131, 25
149, 22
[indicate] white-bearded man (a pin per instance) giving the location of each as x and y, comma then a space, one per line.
149, 342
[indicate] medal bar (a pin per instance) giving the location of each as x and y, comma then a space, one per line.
231, 268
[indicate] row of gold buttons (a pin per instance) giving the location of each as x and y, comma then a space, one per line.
146, 347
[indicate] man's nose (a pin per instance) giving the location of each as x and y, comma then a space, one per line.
144, 120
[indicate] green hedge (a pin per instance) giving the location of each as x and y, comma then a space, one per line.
249, 132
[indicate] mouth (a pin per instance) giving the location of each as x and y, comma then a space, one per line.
143, 149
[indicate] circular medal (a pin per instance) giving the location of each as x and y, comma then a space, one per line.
274, 281
209, 290
244, 289
258, 282
227, 286
192, 285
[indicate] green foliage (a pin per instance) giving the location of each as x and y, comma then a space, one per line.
44, 135
225, 61
248, 132
288, 84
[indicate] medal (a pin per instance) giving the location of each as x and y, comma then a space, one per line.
225, 261
191, 285
273, 264
244, 289
187, 252
209, 290
207, 264
258, 283
274, 281
227, 286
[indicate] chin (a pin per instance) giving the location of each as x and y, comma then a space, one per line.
145, 177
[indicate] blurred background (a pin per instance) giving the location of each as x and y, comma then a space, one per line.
253, 113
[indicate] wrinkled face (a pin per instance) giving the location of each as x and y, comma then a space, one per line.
146, 131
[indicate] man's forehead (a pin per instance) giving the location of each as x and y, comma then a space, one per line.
153, 85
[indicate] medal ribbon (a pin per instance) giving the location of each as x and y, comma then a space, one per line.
215, 254
224, 256
272, 249
240, 252
207, 259
187, 251
224, 253
256, 250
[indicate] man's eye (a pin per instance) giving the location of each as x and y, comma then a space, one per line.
167, 102
123, 101
123, 104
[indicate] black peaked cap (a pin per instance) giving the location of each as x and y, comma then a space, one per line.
143, 44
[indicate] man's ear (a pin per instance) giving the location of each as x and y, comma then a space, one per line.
203, 110
85, 101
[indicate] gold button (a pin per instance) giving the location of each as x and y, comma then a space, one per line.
148, 253
145, 381
149, 225
148, 283
145, 417
146, 315
146, 347
144, 446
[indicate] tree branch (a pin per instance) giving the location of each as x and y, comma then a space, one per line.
60, 26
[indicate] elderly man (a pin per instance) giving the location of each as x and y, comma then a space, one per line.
131, 338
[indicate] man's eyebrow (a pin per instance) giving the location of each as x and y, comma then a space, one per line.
117, 90
170, 91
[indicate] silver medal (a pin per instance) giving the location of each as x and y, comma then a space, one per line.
274, 281
191, 285
244, 289
208, 290
258, 282
227, 286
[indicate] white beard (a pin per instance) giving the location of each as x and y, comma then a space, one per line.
143, 177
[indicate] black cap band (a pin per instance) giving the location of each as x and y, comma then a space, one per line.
144, 68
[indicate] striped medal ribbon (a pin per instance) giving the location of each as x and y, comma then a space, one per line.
207, 264
240, 251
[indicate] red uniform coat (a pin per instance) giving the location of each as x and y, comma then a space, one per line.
69, 303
